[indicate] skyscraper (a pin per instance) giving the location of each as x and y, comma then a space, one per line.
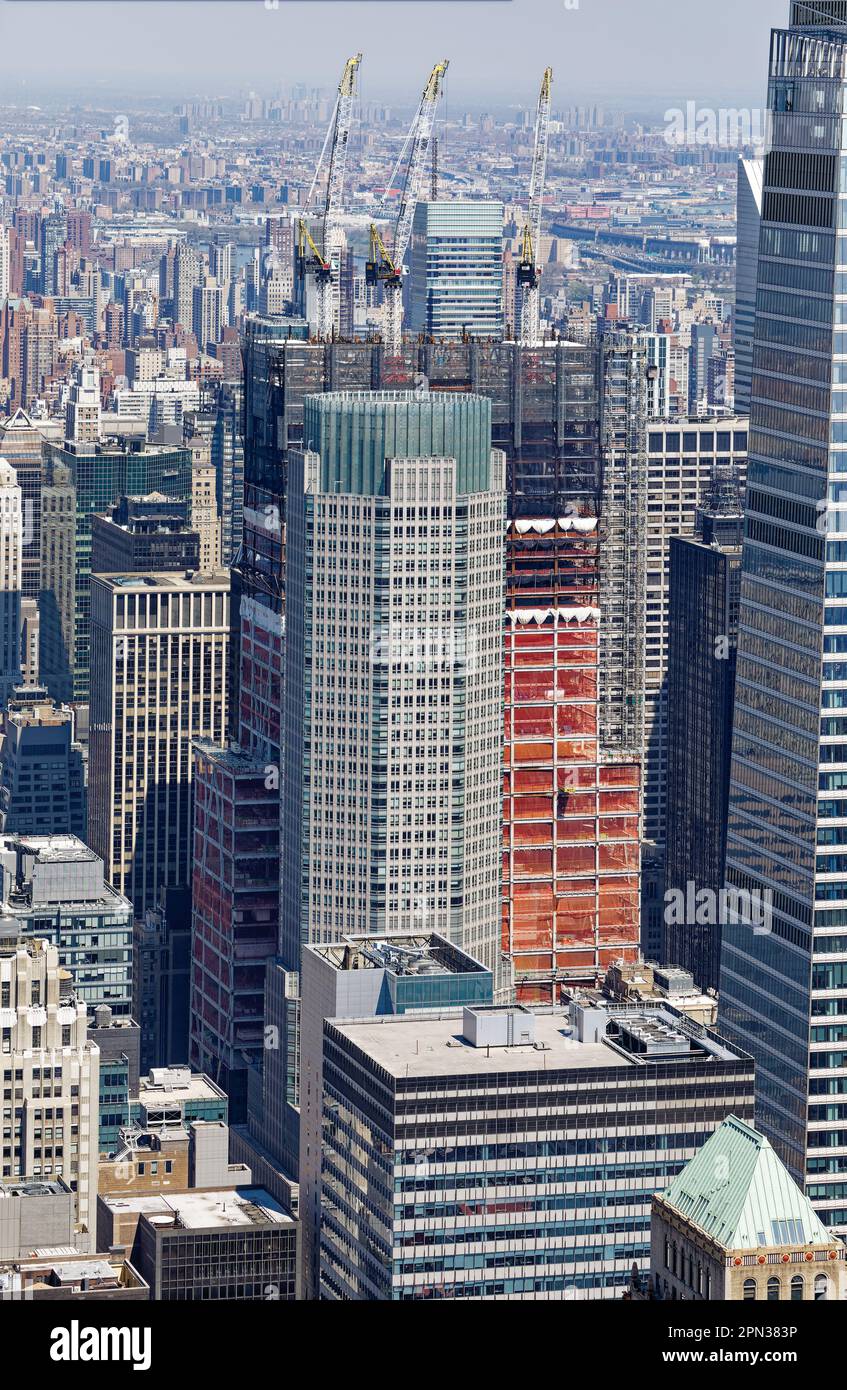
54, 234
82, 419
782, 968
705, 574
456, 269
208, 303
21, 444
45, 1047
748, 219
188, 272
570, 812
88, 478
227, 457
42, 782
682, 458
159, 644
4, 262
11, 578
392, 738
393, 693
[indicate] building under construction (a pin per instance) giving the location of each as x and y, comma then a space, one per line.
571, 420
571, 868
544, 402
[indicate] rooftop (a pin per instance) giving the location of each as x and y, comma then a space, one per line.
64, 849
401, 953
34, 1187
200, 1209
187, 581
435, 1044
738, 1191
173, 1085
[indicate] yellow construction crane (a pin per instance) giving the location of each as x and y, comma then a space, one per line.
388, 269
529, 267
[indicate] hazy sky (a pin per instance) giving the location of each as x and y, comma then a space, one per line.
666, 51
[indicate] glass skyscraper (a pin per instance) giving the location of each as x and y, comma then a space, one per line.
456, 269
784, 969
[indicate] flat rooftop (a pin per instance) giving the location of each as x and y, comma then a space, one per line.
401, 953
177, 1088
173, 582
34, 1187
434, 1045
424, 1045
202, 1209
52, 849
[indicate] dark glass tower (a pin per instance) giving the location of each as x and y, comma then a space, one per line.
703, 630
784, 969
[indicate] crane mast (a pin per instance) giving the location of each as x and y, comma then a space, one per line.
529, 267
325, 261
388, 268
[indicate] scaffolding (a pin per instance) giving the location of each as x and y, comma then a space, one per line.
571, 862
623, 547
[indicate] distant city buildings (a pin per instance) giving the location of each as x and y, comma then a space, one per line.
368, 735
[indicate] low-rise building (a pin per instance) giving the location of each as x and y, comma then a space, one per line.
733, 1225
234, 1243
34, 1212
70, 1273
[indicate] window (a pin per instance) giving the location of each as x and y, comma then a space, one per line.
821, 1287
749, 1290
774, 1289
797, 1288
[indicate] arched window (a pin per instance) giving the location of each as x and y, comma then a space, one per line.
774, 1289
821, 1286
749, 1290
798, 1287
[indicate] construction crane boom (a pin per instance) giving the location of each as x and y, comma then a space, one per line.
529, 265
324, 263
389, 268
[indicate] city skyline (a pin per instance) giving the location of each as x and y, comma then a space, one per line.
496, 47
423, 665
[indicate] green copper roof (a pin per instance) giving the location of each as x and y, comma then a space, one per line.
740, 1193
356, 431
